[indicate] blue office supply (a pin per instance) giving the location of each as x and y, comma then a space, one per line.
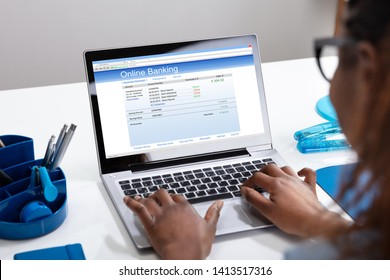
325, 109
67, 252
21, 214
322, 137
328, 127
33, 211
330, 180
321, 143
50, 192
17, 149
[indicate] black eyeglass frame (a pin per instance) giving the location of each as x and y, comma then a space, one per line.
331, 41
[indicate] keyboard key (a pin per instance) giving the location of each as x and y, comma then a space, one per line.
136, 185
250, 167
158, 181
174, 185
130, 192
169, 180
220, 172
200, 193
227, 177
153, 189
181, 190
192, 189
211, 191
200, 175
223, 184
125, 187
206, 180
212, 185
147, 183
222, 190
196, 182
237, 194
142, 190
189, 195
185, 183
216, 178
124, 182
240, 169
260, 165
189, 176
179, 178
233, 182
233, 188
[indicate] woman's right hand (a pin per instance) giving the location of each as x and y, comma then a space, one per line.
292, 204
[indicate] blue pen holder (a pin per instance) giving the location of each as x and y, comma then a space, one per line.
24, 210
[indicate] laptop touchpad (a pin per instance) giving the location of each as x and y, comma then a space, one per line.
232, 218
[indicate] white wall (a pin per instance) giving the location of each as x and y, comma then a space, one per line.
42, 41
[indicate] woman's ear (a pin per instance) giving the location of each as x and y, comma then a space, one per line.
368, 60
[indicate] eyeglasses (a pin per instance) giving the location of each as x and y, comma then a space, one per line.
326, 51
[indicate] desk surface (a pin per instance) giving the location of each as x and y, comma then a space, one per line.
292, 90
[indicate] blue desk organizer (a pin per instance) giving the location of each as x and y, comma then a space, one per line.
17, 161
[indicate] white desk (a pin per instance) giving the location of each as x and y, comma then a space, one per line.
292, 89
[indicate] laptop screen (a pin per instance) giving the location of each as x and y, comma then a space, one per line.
179, 99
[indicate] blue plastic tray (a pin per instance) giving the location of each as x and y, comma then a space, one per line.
18, 163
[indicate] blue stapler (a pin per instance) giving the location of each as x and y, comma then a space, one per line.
321, 138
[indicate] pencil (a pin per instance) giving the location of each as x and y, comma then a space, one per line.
2, 145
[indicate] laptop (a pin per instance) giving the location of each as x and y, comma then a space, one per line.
189, 117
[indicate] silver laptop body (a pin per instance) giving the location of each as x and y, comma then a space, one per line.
190, 117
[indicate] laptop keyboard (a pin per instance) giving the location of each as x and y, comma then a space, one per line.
200, 185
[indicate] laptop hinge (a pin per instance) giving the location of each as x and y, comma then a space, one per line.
189, 160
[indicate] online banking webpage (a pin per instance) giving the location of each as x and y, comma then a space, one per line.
186, 98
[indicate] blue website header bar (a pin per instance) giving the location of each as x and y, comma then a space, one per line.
173, 68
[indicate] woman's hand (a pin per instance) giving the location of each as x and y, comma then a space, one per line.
174, 228
292, 205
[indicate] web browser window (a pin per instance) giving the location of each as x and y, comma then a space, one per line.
177, 99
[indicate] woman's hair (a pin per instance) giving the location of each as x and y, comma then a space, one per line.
369, 21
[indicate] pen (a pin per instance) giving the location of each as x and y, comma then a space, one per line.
4, 178
2, 145
60, 151
58, 143
49, 151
